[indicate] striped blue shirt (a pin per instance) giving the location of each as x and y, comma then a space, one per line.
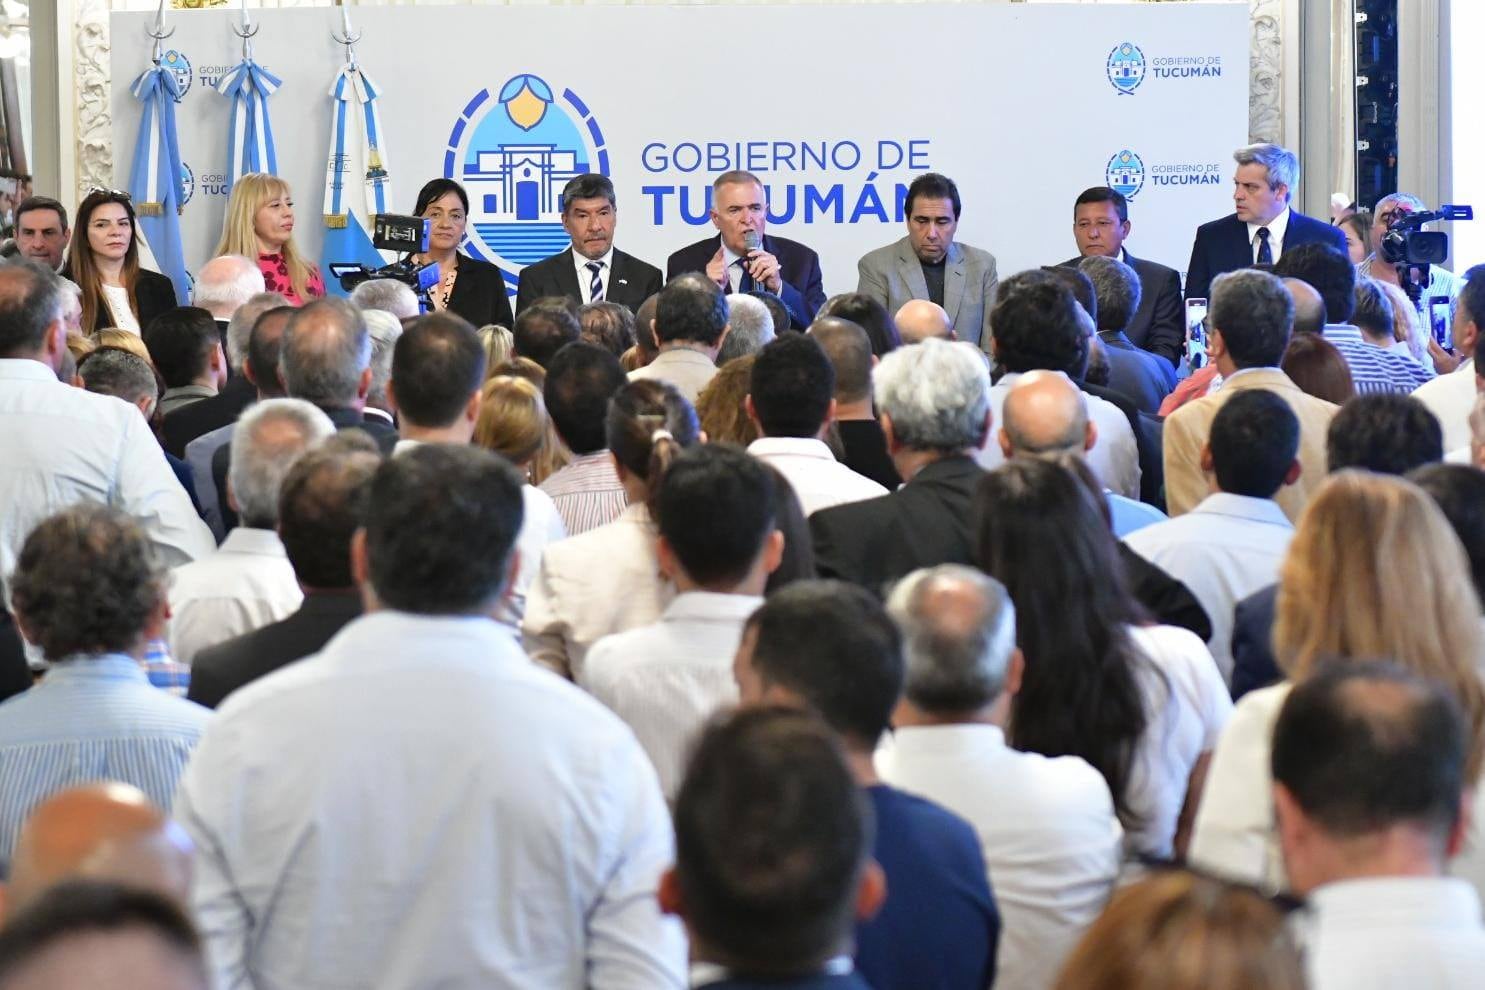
1374, 369
91, 719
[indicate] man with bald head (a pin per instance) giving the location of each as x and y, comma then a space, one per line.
919, 319
222, 285
848, 347
103, 831
1309, 308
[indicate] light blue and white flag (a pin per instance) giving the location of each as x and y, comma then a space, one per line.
155, 176
250, 136
357, 185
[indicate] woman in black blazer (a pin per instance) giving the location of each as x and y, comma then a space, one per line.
473, 289
103, 260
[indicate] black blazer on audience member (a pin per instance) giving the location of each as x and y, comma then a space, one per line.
479, 293
200, 418
1253, 664
218, 671
153, 294
629, 283
1223, 246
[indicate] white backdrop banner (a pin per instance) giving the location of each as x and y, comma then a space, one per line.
835, 107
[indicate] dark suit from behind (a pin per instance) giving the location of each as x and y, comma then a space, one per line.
799, 267
629, 283
1143, 377
218, 671
927, 521
1159, 324
1223, 246
479, 293
1253, 663
200, 418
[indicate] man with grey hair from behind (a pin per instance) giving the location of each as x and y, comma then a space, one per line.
388, 295
384, 328
962, 668
248, 582
326, 359
933, 400
223, 285
1144, 377
752, 328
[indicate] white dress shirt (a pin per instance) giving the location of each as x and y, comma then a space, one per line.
818, 479
541, 525
1382, 933
418, 806
1277, 228
585, 276
61, 445
667, 679
604, 581
1114, 457
246, 584
1046, 827
1224, 550
1451, 397
1186, 707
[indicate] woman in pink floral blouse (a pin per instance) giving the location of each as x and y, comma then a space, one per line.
260, 224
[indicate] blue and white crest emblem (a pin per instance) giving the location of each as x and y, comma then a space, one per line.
1126, 68
1125, 173
180, 67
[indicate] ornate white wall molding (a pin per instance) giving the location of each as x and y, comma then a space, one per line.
93, 116
1266, 63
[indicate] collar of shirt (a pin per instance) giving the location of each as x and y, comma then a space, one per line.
1277, 227
580, 263
710, 606
1342, 331
681, 354
766, 447
404, 444
183, 391
705, 973
1219, 381
96, 667
941, 740
1413, 902
260, 542
27, 369
1260, 510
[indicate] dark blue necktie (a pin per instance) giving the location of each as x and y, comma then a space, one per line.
595, 287
1265, 254
745, 282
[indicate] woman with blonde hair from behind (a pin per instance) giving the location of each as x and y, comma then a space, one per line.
721, 407
1179, 931
1374, 572
260, 224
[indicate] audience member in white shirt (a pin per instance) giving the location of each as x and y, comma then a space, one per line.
608, 579
1374, 570
248, 582
1371, 795
418, 805
1038, 324
792, 402
717, 541
1046, 825
1143, 704
1232, 543
1451, 396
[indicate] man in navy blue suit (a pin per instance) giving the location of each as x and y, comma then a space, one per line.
786, 268
773, 855
1264, 225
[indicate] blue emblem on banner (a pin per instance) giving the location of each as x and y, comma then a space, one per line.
180, 67
1125, 173
187, 185
514, 151
1126, 67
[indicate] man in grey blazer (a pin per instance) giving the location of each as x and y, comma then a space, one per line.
929, 264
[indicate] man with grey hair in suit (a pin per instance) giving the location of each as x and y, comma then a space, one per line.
929, 264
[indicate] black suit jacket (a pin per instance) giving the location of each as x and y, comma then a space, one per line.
479, 293
1223, 246
629, 283
199, 418
218, 671
804, 287
1159, 325
927, 521
1253, 664
153, 294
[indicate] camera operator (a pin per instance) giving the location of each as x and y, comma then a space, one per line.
473, 289
1442, 285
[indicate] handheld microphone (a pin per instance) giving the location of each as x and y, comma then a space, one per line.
752, 241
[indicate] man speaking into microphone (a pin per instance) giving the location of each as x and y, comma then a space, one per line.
743, 258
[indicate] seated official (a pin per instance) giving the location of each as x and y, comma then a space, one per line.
591, 269
421, 769
89, 592
473, 289
1263, 227
783, 267
1158, 322
773, 855
929, 264
691, 323
1136, 373
831, 648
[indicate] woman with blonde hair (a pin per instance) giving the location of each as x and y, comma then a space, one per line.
553, 454
260, 224
1179, 931
720, 405
103, 259
1374, 572
122, 339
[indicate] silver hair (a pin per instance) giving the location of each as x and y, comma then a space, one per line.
956, 659
1116, 291
384, 328
386, 294
263, 451
119, 373
227, 286
937, 394
240, 327
752, 328
1412, 202
325, 349
1281, 163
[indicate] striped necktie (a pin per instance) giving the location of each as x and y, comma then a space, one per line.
1265, 253
595, 287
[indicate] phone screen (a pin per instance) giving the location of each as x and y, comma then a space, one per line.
1438, 319
1196, 332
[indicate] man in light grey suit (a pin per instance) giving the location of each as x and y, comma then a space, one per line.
928, 264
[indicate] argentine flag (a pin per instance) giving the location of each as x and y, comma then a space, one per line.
155, 177
357, 185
